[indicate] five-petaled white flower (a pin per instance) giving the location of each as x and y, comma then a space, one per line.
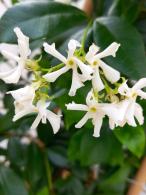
24, 105
44, 114
95, 111
71, 62
23, 101
128, 107
95, 60
13, 75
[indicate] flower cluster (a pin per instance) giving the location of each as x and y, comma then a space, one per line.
109, 96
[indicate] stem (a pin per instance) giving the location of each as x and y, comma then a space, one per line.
88, 7
49, 176
85, 35
52, 69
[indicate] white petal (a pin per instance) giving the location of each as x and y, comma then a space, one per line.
42, 109
96, 81
42, 105
110, 73
7, 73
9, 55
3, 9
130, 114
112, 124
76, 82
97, 125
139, 113
21, 94
90, 98
109, 51
13, 77
93, 49
33, 133
55, 121
24, 49
8, 3
122, 108
51, 77
141, 94
85, 69
23, 113
140, 84
36, 122
111, 111
73, 106
83, 120
124, 89
72, 45
50, 49
23, 43
11, 48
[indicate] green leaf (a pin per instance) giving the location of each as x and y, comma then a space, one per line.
40, 21
17, 152
44, 191
70, 186
115, 182
128, 11
130, 59
89, 150
132, 138
10, 183
57, 155
35, 165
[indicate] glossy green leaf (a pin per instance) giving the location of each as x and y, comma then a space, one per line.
114, 183
35, 165
40, 20
132, 138
10, 183
128, 11
89, 150
57, 155
17, 152
130, 59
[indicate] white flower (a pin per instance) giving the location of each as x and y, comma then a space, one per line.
95, 111
24, 105
13, 75
64, 1
23, 101
4, 5
3, 145
95, 60
78, 3
44, 114
71, 62
2, 9
2, 108
128, 107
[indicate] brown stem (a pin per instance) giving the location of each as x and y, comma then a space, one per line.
140, 180
88, 7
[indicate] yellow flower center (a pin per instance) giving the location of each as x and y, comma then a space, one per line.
95, 63
71, 62
134, 94
93, 109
